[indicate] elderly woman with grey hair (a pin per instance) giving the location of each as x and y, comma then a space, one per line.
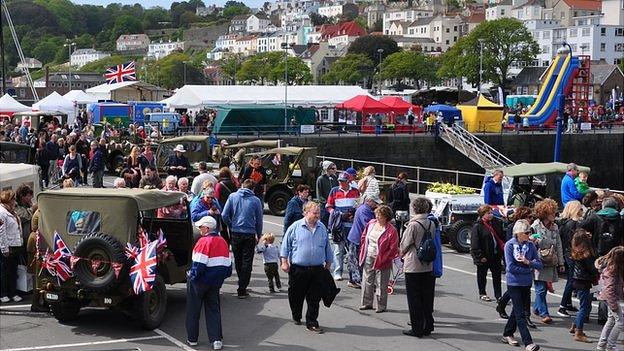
419, 278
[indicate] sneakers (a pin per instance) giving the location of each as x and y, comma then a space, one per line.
530, 324
532, 347
570, 308
563, 312
191, 343
316, 330
365, 307
547, 320
217, 345
354, 285
485, 298
5, 299
501, 311
243, 295
16, 298
510, 340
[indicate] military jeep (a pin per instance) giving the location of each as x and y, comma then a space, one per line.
96, 225
197, 149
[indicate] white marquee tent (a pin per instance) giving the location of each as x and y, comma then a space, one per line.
79, 97
9, 104
56, 102
196, 96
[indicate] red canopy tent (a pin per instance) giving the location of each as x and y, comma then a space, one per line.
365, 105
401, 107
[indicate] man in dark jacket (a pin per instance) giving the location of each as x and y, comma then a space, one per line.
96, 165
493, 189
605, 226
177, 164
294, 209
324, 184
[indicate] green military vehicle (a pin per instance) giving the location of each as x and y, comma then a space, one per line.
96, 225
197, 149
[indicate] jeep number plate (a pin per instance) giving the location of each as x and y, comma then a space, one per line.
51, 297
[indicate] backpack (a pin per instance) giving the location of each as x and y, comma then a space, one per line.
609, 236
426, 251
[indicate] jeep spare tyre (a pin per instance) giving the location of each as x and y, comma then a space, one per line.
278, 202
105, 249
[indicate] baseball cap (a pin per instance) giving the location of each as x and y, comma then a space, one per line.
374, 198
343, 177
206, 221
351, 171
521, 226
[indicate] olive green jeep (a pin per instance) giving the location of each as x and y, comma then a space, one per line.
96, 225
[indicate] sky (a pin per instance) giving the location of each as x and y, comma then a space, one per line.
163, 3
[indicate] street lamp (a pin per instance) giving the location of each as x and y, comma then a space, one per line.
184, 63
286, 46
480, 63
380, 52
69, 48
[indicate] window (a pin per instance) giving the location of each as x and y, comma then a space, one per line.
448, 30
603, 32
546, 34
545, 49
447, 42
573, 33
536, 35
586, 32
454, 28
502, 12
619, 47
562, 15
603, 47
83, 222
619, 32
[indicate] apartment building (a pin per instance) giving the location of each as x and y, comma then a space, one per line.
81, 57
132, 42
161, 49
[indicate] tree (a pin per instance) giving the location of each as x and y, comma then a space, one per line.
168, 72
126, 24
505, 41
257, 68
369, 44
234, 8
410, 65
377, 26
102, 64
622, 65
153, 17
45, 52
317, 19
350, 69
298, 71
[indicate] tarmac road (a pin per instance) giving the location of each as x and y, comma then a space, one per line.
263, 321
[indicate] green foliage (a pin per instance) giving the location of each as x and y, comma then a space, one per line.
622, 63
298, 71
257, 68
168, 72
230, 65
126, 24
235, 8
410, 65
153, 17
362, 22
504, 41
317, 19
451, 189
350, 69
377, 26
369, 44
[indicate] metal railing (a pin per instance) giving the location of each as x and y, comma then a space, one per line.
474, 148
421, 177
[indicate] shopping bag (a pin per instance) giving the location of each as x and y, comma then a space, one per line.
24, 279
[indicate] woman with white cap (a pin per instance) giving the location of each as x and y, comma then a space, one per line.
211, 266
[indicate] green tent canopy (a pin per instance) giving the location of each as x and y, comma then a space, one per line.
254, 118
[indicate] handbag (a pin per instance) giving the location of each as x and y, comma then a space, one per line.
402, 216
548, 256
24, 279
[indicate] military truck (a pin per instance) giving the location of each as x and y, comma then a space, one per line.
96, 225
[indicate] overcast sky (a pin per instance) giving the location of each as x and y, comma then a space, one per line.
164, 3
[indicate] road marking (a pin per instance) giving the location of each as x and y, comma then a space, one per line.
277, 224
13, 306
86, 343
173, 340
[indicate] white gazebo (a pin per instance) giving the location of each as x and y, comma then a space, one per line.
56, 102
79, 97
9, 105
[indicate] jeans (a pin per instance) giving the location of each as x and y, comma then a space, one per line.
540, 304
520, 297
98, 178
566, 299
8, 275
324, 214
377, 129
353, 263
339, 253
585, 298
612, 329
198, 294
243, 248
304, 284
420, 291
271, 271
495, 268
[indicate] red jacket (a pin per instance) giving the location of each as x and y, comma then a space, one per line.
387, 246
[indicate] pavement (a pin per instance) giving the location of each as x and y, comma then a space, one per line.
263, 321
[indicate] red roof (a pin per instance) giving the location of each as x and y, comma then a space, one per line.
399, 105
584, 4
351, 29
364, 104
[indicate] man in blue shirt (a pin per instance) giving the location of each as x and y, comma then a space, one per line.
363, 214
568, 189
305, 253
493, 189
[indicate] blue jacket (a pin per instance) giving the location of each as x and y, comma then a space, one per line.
200, 209
568, 190
438, 264
294, 211
243, 213
97, 162
493, 192
363, 215
520, 274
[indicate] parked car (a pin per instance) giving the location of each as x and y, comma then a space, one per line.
96, 225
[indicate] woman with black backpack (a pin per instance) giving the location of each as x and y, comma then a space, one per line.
416, 249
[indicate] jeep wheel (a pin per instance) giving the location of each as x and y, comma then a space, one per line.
66, 310
104, 248
150, 306
459, 236
278, 201
116, 163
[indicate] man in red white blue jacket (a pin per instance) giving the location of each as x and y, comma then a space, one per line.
211, 266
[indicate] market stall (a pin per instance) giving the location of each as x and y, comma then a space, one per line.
368, 109
400, 116
481, 115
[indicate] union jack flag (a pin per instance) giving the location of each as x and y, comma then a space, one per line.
162, 241
121, 73
143, 271
58, 263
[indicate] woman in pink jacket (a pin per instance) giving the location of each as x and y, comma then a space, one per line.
612, 278
379, 247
